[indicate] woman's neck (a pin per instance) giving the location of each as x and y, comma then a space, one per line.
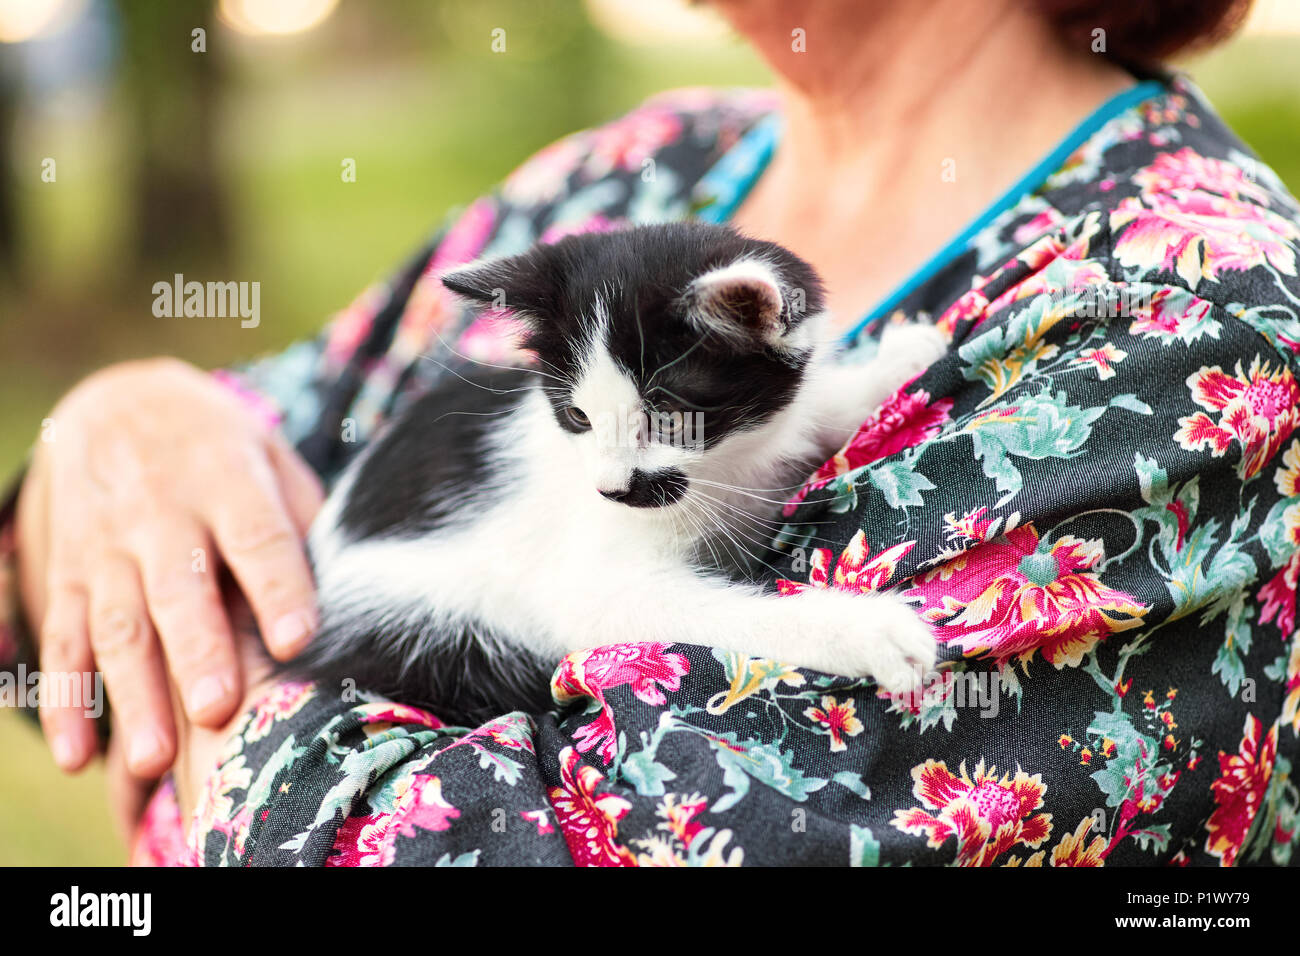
904, 119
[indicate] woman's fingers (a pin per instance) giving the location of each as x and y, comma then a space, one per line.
132, 663
179, 573
301, 488
262, 546
66, 661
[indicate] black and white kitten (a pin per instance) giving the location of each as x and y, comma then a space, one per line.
683, 386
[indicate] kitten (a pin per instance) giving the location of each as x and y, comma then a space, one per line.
683, 387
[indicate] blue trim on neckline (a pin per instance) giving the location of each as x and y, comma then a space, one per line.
1028, 183
727, 183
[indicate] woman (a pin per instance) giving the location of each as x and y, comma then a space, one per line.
1094, 496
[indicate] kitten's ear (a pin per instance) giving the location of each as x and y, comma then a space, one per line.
487, 281
516, 284
742, 302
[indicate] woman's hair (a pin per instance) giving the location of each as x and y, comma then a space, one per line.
1146, 31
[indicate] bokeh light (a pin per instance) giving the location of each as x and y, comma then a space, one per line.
22, 20
1274, 18
275, 17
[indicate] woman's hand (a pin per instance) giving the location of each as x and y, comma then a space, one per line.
148, 478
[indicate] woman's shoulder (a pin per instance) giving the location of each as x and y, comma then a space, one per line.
1164, 205
671, 139
1198, 211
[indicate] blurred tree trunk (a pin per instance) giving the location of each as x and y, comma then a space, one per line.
8, 185
180, 212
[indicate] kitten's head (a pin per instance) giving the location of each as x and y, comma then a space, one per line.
657, 344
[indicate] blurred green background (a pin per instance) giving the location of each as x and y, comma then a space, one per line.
226, 164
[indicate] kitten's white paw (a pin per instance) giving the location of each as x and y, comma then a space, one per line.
911, 348
871, 635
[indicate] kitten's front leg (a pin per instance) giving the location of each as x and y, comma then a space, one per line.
845, 395
874, 635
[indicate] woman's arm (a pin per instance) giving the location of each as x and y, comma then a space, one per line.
1108, 588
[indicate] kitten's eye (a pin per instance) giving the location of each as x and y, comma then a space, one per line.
672, 426
577, 417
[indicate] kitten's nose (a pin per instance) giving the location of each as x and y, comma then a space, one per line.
649, 489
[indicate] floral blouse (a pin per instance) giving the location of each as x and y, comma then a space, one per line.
1093, 497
